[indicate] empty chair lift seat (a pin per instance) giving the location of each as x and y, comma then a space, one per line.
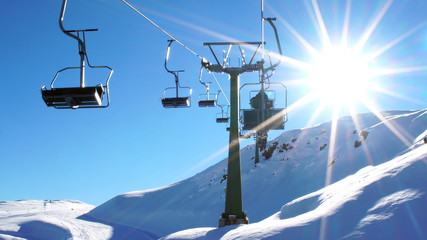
207, 103
176, 102
73, 97
222, 120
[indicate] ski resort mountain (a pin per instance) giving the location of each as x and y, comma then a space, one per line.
360, 177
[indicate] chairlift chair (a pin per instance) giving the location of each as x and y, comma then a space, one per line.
207, 99
267, 118
77, 97
176, 101
221, 117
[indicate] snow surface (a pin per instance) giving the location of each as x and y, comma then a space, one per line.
370, 184
57, 220
31, 219
326, 214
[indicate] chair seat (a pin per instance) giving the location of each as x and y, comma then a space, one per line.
222, 120
207, 103
176, 102
73, 97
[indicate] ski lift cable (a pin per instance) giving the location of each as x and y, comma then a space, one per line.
169, 35
157, 26
225, 96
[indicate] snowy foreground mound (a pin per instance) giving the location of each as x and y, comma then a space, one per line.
365, 178
30, 219
57, 220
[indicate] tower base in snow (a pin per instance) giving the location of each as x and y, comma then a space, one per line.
232, 220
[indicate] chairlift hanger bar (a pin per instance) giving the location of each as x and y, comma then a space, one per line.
82, 47
270, 20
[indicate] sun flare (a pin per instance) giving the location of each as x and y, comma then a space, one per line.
340, 76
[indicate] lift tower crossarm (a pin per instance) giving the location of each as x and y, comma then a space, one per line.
250, 67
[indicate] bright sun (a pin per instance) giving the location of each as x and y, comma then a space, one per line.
340, 77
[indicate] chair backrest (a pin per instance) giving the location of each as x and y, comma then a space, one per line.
252, 118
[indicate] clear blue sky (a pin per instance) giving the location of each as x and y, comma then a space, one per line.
135, 144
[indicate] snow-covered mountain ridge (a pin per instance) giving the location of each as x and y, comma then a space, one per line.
369, 181
299, 165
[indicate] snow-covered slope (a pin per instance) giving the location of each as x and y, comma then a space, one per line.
57, 220
387, 201
376, 168
30, 219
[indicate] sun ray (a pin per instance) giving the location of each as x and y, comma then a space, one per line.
396, 41
332, 141
190, 25
391, 71
201, 164
296, 63
296, 82
296, 34
323, 223
400, 134
317, 112
328, 176
368, 32
346, 24
302, 101
313, 117
324, 32
414, 221
396, 95
356, 122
